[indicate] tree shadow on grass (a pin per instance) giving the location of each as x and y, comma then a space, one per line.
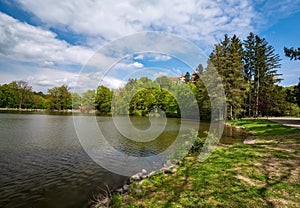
276, 171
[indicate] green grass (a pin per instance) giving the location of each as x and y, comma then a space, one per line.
263, 127
265, 174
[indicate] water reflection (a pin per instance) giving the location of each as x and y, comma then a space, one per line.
42, 163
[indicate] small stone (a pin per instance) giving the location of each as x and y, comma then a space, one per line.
168, 163
126, 187
120, 190
249, 140
145, 176
140, 174
151, 173
174, 170
166, 170
105, 201
136, 177
144, 172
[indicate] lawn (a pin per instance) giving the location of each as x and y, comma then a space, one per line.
263, 127
264, 174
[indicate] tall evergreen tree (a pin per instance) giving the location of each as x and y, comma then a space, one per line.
249, 60
227, 58
261, 63
265, 76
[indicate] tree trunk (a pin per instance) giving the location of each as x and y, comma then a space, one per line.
250, 101
257, 95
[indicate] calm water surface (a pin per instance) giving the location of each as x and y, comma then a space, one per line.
42, 163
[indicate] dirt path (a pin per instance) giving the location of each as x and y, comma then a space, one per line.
294, 122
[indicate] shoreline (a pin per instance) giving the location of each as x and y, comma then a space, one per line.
167, 168
104, 200
248, 167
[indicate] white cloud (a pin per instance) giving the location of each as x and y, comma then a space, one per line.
23, 42
36, 55
127, 64
203, 22
88, 81
43, 78
271, 11
112, 82
162, 58
196, 20
152, 56
137, 64
139, 57
47, 63
48, 73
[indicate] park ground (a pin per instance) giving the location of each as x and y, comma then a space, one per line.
293, 122
264, 174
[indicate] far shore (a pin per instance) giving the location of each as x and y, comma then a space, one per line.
47, 110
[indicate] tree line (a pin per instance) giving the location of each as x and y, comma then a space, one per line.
19, 95
248, 72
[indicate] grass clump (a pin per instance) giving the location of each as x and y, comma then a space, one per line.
265, 174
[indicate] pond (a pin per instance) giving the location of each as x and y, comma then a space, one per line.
42, 163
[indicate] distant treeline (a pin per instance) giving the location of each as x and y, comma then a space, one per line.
19, 94
247, 69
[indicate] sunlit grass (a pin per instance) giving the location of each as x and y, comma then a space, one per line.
265, 174
263, 127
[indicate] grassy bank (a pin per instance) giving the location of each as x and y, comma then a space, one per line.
262, 174
263, 127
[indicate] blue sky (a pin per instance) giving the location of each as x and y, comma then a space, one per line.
47, 43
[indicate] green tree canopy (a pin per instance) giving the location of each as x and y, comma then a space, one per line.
88, 99
23, 92
59, 98
103, 99
76, 100
227, 59
261, 63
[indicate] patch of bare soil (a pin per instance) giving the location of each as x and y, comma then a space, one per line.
249, 181
279, 203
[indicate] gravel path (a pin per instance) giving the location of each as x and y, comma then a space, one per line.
294, 122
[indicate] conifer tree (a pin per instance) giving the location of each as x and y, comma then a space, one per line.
261, 63
227, 59
249, 59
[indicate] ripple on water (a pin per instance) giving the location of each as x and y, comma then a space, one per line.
43, 165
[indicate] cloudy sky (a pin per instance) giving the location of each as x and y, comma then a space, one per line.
48, 42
